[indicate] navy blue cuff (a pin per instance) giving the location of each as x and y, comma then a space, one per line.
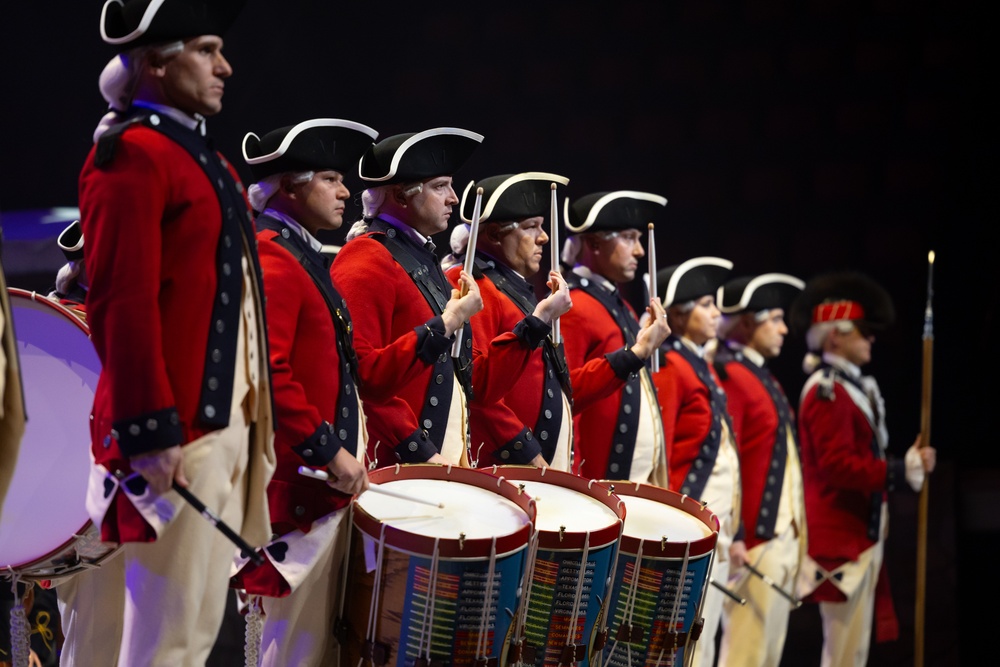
431, 341
148, 432
624, 363
532, 331
319, 448
521, 449
740, 535
416, 449
895, 473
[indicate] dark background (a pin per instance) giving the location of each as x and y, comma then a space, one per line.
788, 135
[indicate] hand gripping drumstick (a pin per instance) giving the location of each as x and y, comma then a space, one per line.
375, 488
214, 519
773, 584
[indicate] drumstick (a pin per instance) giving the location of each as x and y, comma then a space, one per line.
736, 598
554, 253
773, 584
375, 488
470, 262
214, 519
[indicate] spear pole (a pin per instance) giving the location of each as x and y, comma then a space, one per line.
925, 441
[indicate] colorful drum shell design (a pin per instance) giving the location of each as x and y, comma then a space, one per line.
573, 513
436, 567
45, 531
676, 536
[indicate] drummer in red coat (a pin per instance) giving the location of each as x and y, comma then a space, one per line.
175, 310
619, 436
846, 465
531, 422
405, 312
299, 191
704, 463
772, 536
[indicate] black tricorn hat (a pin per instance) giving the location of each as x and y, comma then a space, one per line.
70, 241
417, 156
127, 24
755, 293
312, 145
612, 211
692, 279
842, 296
511, 197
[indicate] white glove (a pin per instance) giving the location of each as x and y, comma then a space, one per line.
914, 468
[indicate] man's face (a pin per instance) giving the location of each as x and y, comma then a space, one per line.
854, 346
192, 80
617, 258
430, 209
521, 246
769, 335
319, 202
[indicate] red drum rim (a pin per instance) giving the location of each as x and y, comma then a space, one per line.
475, 548
598, 490
687, 504
49, 303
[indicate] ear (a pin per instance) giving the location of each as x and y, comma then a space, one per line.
593, 242
155, 64
397, 195
492, 233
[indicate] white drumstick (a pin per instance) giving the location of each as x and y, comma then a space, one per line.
375, 488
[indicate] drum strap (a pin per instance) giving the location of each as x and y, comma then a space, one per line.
432, 284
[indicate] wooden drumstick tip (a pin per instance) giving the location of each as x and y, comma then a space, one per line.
552, 186
650, 227
479, 191
930, 257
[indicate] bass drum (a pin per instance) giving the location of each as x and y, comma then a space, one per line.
45, 532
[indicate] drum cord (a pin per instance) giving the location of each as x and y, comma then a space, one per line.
426, 639
20, 629
679, 597
376, 589
526, 586
254, 631
482, 643
581, 575
629, 607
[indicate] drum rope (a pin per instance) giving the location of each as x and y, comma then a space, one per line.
426, 638
679, 597
526, 586
376, 589
20, 629
580, 580
629, 607
482, 643
254, 631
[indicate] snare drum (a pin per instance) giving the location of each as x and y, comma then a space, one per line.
578, 526
430, 585
45, 532
664, 562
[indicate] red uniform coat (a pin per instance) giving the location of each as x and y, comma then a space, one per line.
590, 333
152, 221
396, 348
755, 425
308, 377
846, 476
686, 408
841, 474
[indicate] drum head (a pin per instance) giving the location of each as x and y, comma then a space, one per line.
45, 506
